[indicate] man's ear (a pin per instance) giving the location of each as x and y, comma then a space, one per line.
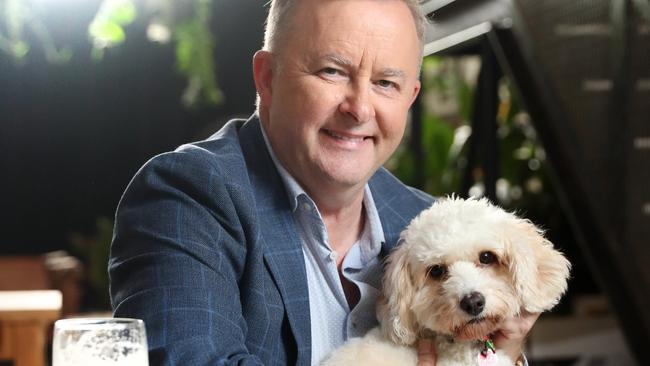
416, 91
263, 75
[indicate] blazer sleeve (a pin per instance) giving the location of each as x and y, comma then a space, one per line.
177, 254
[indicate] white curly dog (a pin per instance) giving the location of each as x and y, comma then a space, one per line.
463, 266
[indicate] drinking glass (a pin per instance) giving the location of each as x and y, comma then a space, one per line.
99, 342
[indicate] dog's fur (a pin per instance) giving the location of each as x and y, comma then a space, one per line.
526, 274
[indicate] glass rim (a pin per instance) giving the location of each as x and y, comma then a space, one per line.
96, 321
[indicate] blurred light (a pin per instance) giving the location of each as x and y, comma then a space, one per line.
157, 32
461, 134
523, 153
540, 153
534, 185
597, 85
534, 164
642, 143
643, 84
503, 191
516, 192
477, 190
522, 119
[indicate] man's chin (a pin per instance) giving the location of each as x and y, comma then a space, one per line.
348, 175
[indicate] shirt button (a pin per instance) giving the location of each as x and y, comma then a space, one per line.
306, 206
333, 255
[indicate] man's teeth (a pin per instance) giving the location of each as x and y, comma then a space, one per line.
345, 138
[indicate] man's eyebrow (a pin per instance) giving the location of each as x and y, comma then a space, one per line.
393, 73
337, 59
342, 61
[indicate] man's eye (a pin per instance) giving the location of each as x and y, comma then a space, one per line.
330, 71
386, 84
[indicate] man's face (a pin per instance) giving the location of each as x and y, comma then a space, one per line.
342, 83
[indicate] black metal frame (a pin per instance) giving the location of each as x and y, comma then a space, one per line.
596, 237
483, 141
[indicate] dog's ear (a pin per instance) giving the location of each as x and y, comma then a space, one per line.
539, 272
394, 308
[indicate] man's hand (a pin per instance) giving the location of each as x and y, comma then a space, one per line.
509, 339
512, 334
426, 352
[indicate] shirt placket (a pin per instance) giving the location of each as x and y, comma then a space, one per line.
318, 243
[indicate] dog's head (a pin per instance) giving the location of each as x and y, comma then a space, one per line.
462, 267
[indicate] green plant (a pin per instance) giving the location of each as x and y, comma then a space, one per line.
93, 249
446, 99
185, 24
447, 95
17, 17
106, 30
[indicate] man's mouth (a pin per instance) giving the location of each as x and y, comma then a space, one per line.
346, 137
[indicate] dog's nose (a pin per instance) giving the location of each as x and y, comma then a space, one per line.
473, 303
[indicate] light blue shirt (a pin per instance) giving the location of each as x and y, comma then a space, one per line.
332, 320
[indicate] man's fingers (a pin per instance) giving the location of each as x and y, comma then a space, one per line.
426, 353
516, 327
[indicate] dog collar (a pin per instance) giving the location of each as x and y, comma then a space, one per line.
487, 356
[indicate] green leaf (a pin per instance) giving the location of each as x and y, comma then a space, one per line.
106, 34
195, 59
437, 138
123, 12
403, 165
465, 97
106, 29
19, 49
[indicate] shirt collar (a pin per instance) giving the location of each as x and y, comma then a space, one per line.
294, 190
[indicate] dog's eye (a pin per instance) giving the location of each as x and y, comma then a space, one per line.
487, 257
437, 271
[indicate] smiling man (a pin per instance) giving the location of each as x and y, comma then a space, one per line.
334, 100
263, 244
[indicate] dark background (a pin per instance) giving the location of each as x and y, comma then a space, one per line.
72, 135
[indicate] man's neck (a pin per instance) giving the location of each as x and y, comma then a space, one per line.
344, 223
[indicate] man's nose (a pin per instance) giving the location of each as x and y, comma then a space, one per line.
357, 103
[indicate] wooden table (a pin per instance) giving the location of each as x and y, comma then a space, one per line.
25, 320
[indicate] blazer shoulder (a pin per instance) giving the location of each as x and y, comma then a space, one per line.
219, 155
390, 191
211, 174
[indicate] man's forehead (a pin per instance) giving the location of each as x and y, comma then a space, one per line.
348, 37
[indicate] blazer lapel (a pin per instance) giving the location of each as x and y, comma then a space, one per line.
396, 206
282, 247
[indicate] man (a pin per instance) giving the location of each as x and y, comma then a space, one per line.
262, 244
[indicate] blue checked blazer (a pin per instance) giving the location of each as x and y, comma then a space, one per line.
207, 253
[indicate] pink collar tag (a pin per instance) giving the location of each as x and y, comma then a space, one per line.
487, 358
